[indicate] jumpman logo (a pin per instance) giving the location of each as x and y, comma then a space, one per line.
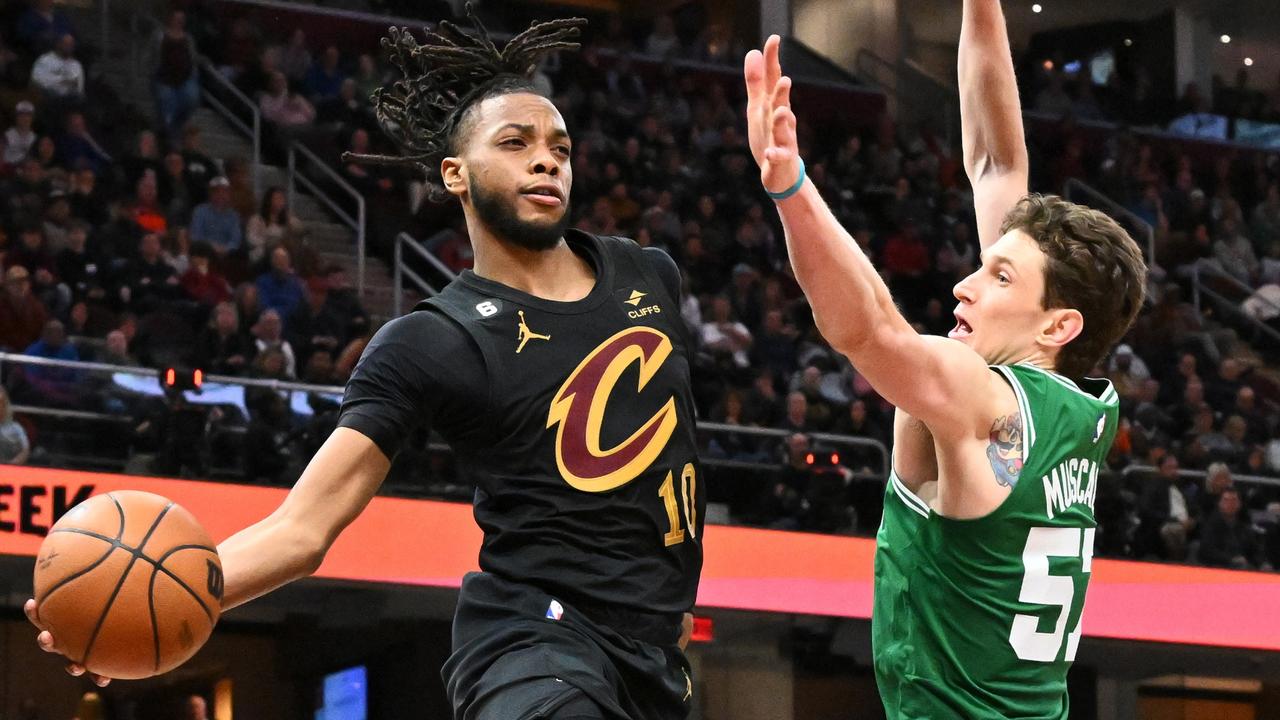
688, 686
526, 334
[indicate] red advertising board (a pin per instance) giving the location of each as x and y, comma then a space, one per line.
421, 542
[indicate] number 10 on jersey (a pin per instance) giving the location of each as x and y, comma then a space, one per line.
688, 493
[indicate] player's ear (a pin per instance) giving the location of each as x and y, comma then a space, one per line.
1064, 325
453, 176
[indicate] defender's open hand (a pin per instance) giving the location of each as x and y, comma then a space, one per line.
771, 123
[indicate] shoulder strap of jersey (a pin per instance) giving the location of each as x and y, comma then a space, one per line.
456, 304
1028, 390
636, 254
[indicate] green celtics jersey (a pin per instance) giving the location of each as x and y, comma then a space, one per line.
981, 618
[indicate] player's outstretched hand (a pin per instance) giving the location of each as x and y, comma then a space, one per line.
46, 642
771, 124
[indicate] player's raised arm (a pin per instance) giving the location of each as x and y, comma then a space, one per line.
995, 148
925, 376
290, 543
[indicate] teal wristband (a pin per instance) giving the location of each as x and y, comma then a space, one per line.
791, 190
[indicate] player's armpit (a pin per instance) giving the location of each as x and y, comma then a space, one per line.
940, 382
290, 543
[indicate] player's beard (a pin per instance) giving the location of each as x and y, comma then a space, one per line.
499, 214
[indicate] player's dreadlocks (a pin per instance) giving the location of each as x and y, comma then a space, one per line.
448, 74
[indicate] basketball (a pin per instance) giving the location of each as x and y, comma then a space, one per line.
129, 584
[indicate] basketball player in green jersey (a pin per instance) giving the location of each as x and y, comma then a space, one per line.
985, 550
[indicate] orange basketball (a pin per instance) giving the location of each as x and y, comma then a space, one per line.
129, 584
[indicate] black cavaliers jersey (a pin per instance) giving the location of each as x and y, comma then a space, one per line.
575, 420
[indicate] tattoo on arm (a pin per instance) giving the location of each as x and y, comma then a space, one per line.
1005, 450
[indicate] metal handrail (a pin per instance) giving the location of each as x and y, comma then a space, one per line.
254, 133
1201, 475
289, 386
401, 270
1198, 288
268, 383
356, 223
780, 433
1098, 198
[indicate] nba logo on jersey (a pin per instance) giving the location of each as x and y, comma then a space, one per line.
1102, 426
555, 610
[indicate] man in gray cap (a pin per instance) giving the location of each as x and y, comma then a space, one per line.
20, 138
215, 221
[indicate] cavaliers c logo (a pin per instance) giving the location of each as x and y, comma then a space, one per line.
579, 407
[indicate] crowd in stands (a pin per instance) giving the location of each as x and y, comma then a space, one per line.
122, 241
100, 247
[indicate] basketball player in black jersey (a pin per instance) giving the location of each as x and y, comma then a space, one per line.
558, 371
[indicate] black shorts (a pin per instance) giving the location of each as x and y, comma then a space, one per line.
507, 634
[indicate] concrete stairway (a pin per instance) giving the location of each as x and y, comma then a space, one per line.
333, 239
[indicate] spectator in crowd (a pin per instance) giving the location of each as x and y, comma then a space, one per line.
368, 77
216, 222
314, 325
202, 282
22, 315
221, 347
325, 78
115, 350
144, 158
54, 385
15, 448
57, 73
195, 708
280, 288
1217, 479
268, 451
148, 282
724, 335
146, 210
174, 73
1165, 513
346, 110
40, 26
859, 422
177, 249
1227, 539
366, 180
79, 269
1235, 252
20, 138
319, 368
273, 225
295, 62
199, 168
1266, 219
268, 334
176, 195
663, 41
32, 253
78, 148
287, 109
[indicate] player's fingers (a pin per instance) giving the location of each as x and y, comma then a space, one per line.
753, 72
784, 127
33, 614
45, 641
778, 156
100, 681
772, 66
75, 670
782, 92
